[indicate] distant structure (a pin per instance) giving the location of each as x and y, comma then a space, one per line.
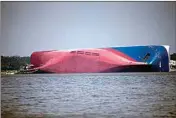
172, 64
150, 58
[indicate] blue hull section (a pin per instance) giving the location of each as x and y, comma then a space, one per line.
156, 56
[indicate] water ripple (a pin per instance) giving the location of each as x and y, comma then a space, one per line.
89, 95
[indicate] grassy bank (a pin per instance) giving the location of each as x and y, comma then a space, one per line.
9, 72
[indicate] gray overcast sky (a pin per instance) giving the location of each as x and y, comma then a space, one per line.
33, 26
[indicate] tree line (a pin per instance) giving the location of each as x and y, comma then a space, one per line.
173, 56
13, 62
17, 62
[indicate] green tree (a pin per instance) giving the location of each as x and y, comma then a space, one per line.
173, 56
13, 62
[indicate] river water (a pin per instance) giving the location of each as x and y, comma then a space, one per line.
120, 95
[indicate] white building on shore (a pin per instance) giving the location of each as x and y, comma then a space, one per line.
172, 64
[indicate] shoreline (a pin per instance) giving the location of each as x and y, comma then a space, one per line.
14, 72
9, 72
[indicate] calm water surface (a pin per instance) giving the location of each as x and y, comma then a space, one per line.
122, 95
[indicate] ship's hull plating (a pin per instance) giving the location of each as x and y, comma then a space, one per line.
113, 59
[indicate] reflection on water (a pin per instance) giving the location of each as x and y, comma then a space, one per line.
89, 95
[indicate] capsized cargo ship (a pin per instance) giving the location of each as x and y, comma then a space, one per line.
152, 58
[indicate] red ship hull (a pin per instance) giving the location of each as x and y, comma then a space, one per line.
88, 61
